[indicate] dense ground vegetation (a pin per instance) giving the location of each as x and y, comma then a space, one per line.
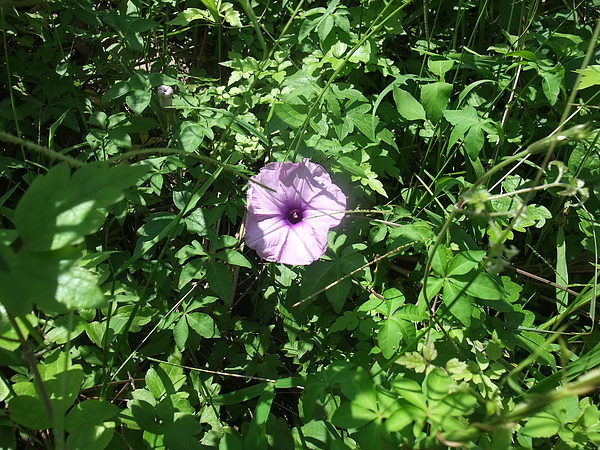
455, 305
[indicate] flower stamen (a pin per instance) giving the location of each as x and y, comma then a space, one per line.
294, 216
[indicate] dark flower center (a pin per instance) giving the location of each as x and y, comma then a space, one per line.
294, 216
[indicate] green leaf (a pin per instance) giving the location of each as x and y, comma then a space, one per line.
219, 279
389, 337
469, 128
193, 270
66, 328
542, 424
533, 343
439, 67
164, 379
230, 441
486, 286
181, 333
437, 384
89, 425
440, 260
239, 396
321, 274
139, 100
435, 97
77, 288
552, 81
156, 227
457, 404
562, 270
457, 302
256, 437
413, 360
464, 262
52, 280
590, 77
28, 410
211, 5
405, 415
190, 14
411, 391
360, 389
358, 114
352, 415
190, 136
203, 324
408, 106
60, 210
231, 16
195, 222
234, 257
419, 231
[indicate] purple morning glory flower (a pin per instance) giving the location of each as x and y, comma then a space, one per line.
290, 223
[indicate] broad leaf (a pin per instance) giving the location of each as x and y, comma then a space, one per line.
60, 209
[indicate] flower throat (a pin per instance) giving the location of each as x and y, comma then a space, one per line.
294, 216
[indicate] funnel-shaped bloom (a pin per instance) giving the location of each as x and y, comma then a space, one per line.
165, 95
164, 91
289, 223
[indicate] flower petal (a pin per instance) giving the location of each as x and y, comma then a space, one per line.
304, 244
262, 200
274, 239
305, 186
265, 235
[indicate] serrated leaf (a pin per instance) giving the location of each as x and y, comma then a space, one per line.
552, 82
190, 14
358, 113
429, 351
413, 360
52, 280
469, 127
77, 288
454, 365
231, 16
